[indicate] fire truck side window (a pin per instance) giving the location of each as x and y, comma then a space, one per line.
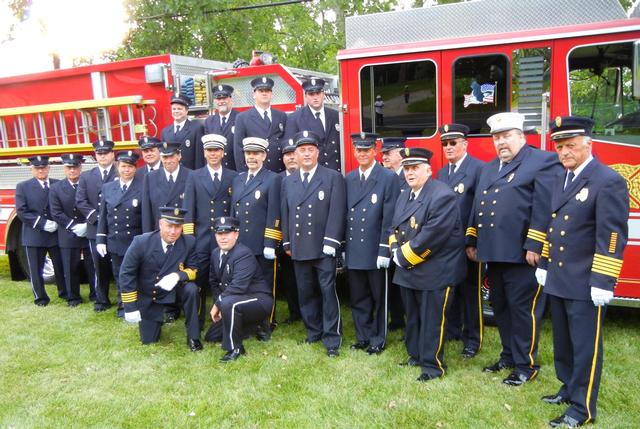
601, 87
399, 99
480, 90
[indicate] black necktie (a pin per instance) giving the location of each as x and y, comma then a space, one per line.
75, 186
223, 256
452, 169
45, 185
320, 120
362, 179
104, 176
177, 129
216, 179
124, 188
224, 121
249, 178
168, 248
570, 177
171, 182
266, 119
412, 196
305, 180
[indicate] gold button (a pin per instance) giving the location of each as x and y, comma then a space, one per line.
562, 248
560, 263
493, 213
566, 217
480, 214
550, 229
493, 202
550, 245
562, 233
553, 215
484, 192
491, 225
480, 225
482, 203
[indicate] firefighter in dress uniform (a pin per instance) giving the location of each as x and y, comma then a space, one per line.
506, 231
580, 265
313, 223
207, 195
223, 121
242, 297
427, 243
72, 229
150, 149
88, 198
461, 173
255, 202
318, 118
159, 267
39, 229
261, 121
120, 215
186, 132
372, 191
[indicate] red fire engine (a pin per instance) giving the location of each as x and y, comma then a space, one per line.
404, 73
65, 110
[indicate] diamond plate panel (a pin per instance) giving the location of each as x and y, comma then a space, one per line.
474, 19
13, 174
243, 93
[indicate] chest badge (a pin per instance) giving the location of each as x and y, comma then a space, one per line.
321, 195
134, 202
412, 222
582, 195
374, 198
511, 176
257, 194
459, 188
187, 143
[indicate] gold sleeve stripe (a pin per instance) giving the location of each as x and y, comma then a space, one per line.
471, 231
613, 241
190, 272
134, 293
545, 249
129, 296
536, 235
188, 228
410, 255
273, 233
426, 253
606, 265
392, 239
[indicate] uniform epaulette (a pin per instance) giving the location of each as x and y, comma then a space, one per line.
273, 233
606, 265
129, 296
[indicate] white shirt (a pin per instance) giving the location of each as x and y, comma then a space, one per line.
322, 118
179, 124
42, 182
457, 164
122, 183
367, 172
102, 170
581, 167
164, 245
151, 168
174, 174
415, 193
398, 171
212, 172
224, 116
311, 173
261, 112
254, 174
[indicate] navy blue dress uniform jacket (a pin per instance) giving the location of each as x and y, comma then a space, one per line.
89, 195
463, 182
239, 274
145, 263
429, 239
257, 206
315, 216
62, 200
190, 136
304, 119
157, 192
213, 125
511, 207
120, 216
587, 233
32, 207
370, 211
204, 201
250, 124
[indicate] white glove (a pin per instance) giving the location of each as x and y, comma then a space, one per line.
133, 317
101, 249
382, 262
80, 229
395, 257
329, 251
50, 226
269, 253
541, 276
600, 296
168, 282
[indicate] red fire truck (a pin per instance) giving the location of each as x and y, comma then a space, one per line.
65, 110
404, 73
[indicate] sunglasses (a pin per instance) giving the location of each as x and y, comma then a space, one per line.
449, 143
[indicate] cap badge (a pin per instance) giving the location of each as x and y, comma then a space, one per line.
146, 140
511, 176
101, 143
446, 128
407, 152
222, 220
558, 121
39, 158
362, 136
313, 81
176, 211
264, 79
130, 153
220, 88
305, 134
164, 145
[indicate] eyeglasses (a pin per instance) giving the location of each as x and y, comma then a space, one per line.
449, 143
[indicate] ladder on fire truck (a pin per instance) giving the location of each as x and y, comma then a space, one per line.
72, 126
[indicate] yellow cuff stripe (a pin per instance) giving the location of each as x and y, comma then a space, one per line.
606, 265
392, 239
545, 249
273, 233
536, 235
426, 253
410, 255
129, 296
190, 272
613, 241
472, 232
188, 228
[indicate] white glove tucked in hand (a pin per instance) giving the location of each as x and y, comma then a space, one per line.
600, 296
168, 282
79, 229
329, 251
541, 276
382, 262
395, 257
101, 249
133, 317
50, 226
269, 253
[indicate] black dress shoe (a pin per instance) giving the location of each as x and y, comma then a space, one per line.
99, 308
194, 345
309, 341
170, 317
333, 352
42, 303
360, 345
567, 421
74, 303
375, 350
516, 379
556, 399
232, 355
469, 352
263, 334
427, 377
410, 362
497, 367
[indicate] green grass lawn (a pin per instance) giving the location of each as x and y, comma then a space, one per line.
64, 368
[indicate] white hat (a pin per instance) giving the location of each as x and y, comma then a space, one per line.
254, 144
214, 141
506, 121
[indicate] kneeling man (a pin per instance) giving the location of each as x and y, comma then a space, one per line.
158, 268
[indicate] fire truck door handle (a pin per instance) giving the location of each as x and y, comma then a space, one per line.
165, 76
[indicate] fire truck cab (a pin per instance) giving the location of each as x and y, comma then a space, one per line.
405, 73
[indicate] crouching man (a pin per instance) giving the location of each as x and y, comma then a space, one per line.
242, 295
159, 267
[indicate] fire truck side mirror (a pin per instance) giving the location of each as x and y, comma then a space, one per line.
636, 69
